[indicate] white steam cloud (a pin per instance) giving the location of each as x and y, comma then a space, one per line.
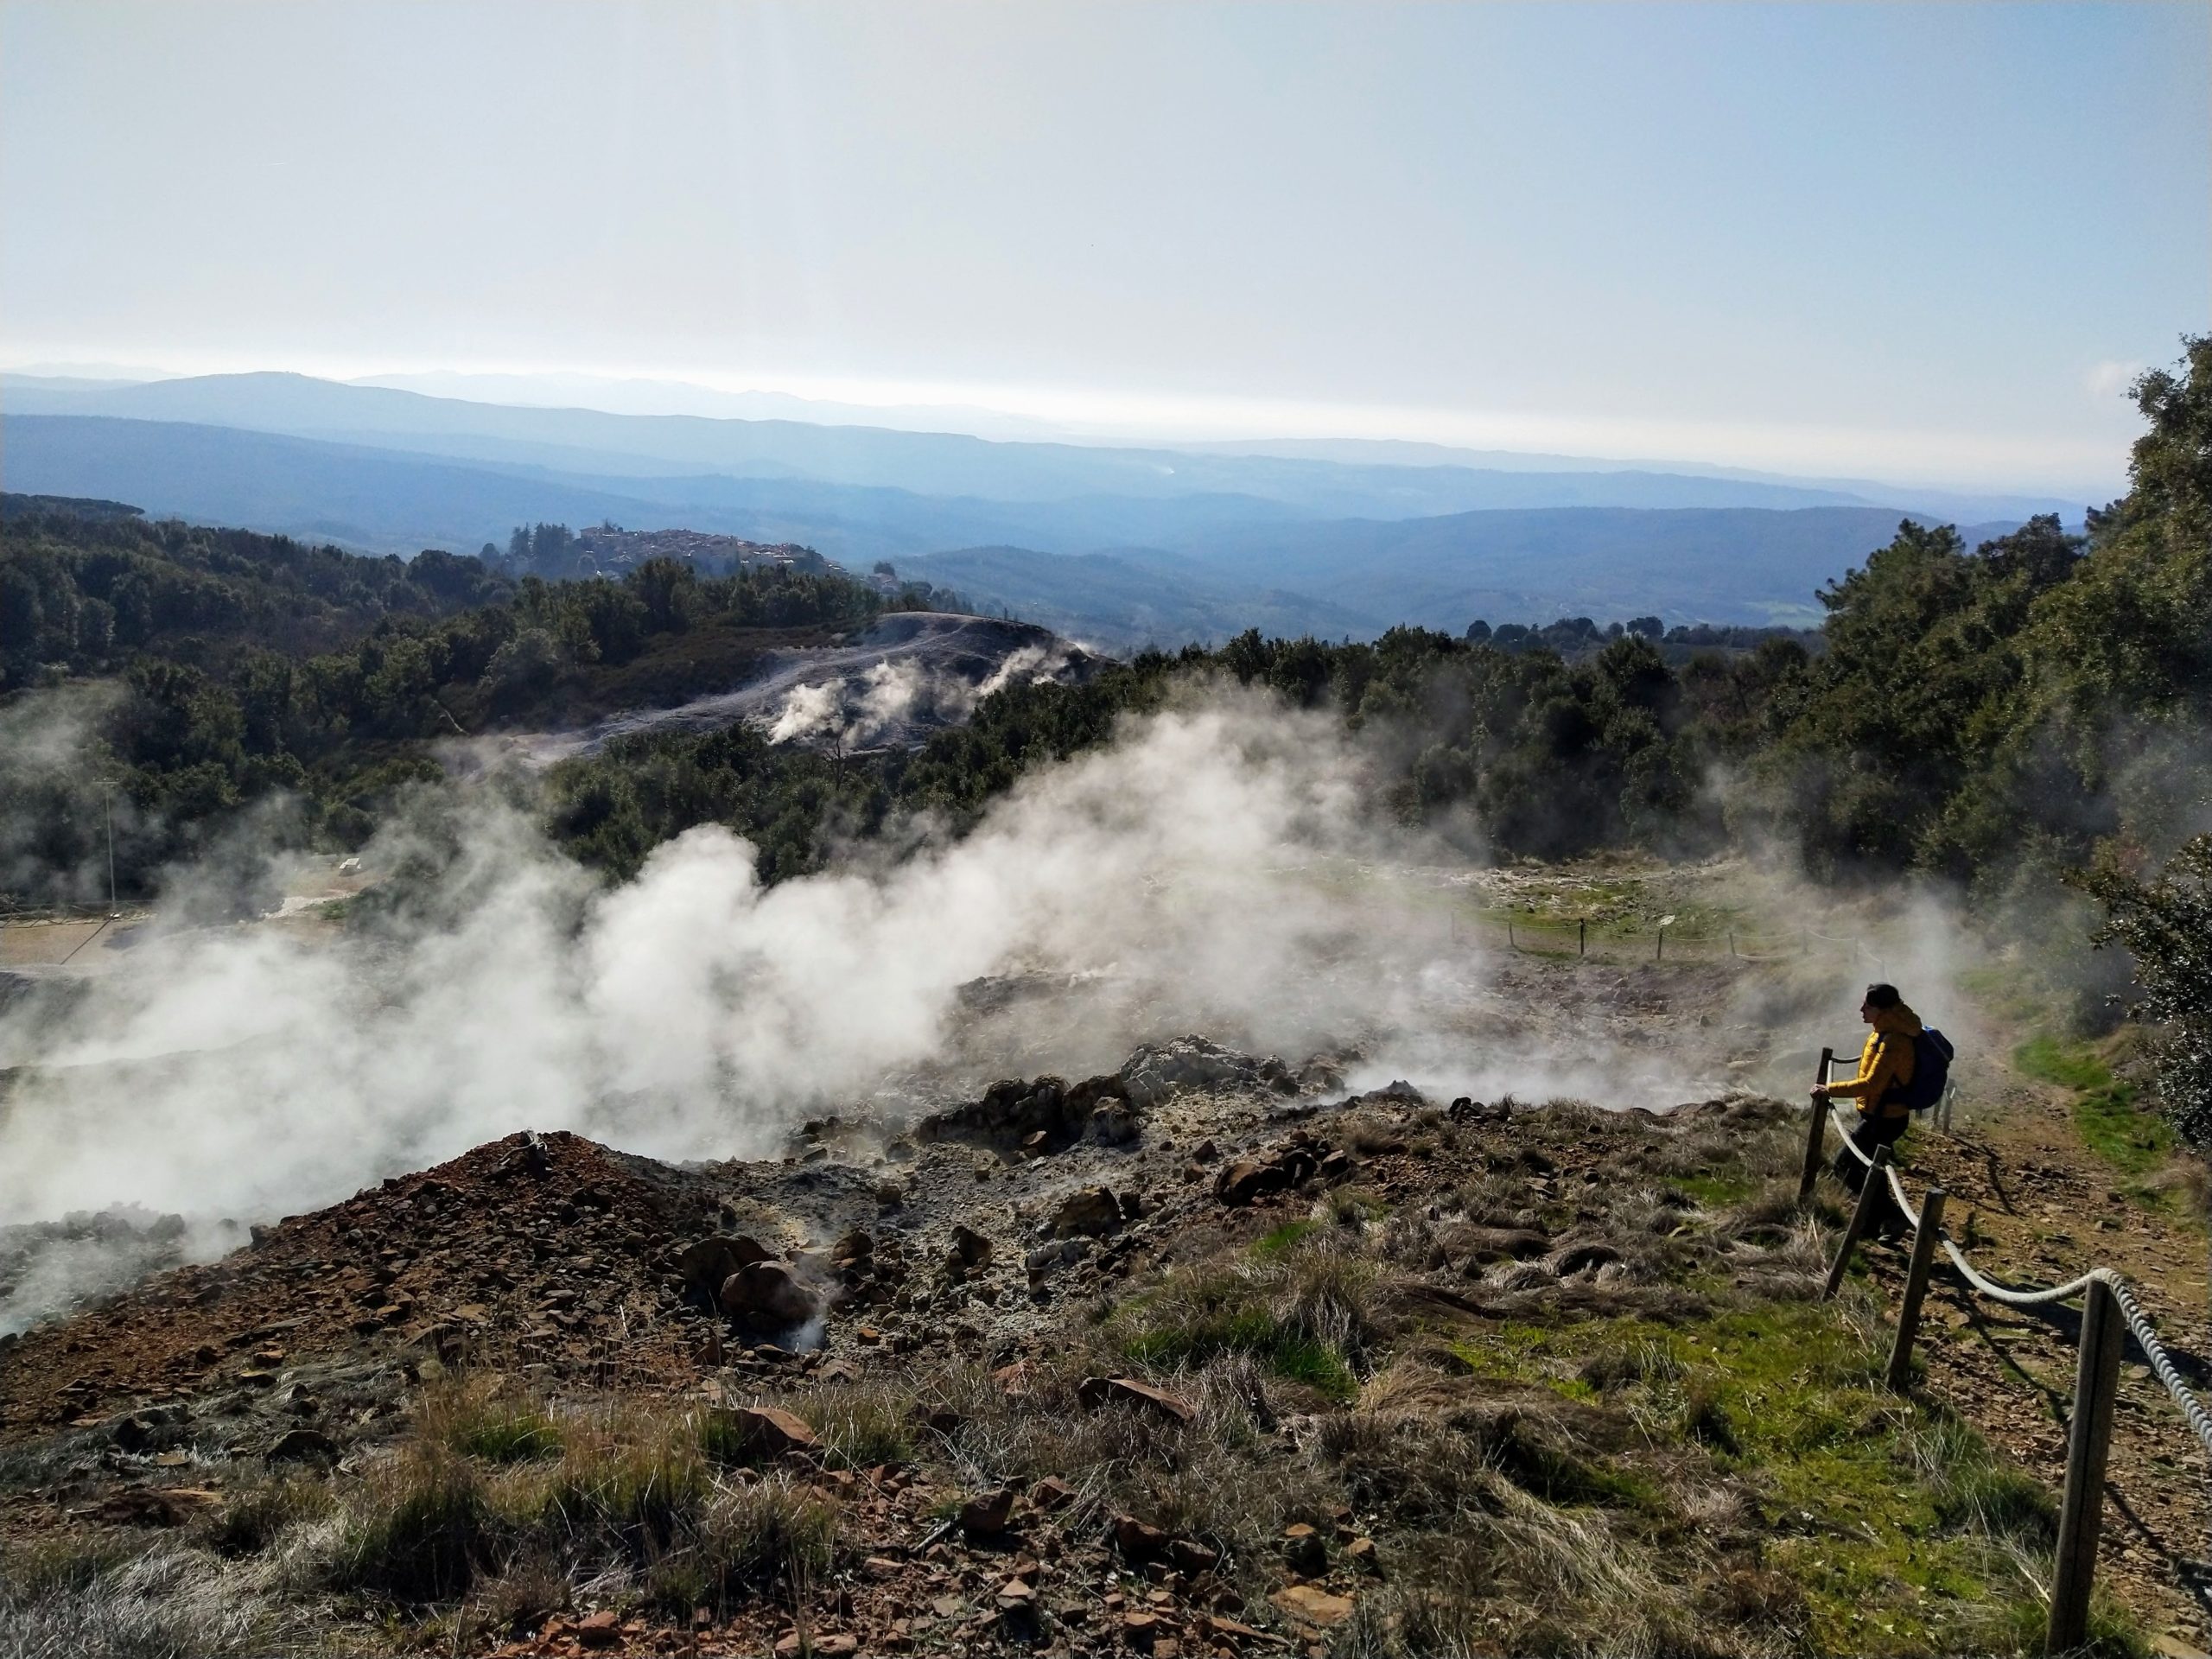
1219, 869
886, 699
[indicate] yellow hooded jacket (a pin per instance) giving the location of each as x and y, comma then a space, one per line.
1885, 1064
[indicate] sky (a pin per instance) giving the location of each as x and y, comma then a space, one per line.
1924, 242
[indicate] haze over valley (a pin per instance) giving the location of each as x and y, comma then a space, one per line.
1119, 545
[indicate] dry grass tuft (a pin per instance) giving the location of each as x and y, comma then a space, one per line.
476, 1416
165, 1603
255, 1514
424, 1532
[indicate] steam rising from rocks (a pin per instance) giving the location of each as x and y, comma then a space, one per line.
1224, 867
1212, 871
885, 699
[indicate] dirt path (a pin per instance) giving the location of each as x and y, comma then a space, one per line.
2042, 1208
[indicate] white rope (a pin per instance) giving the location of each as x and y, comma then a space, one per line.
2161, 1363
1846, 1129
2138, 1322
2014, 1297
1897, 1189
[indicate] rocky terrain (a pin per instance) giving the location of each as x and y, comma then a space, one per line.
1201, 1356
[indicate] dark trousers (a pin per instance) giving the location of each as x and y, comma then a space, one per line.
1874, 1132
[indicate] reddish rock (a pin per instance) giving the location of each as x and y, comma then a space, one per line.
767, 1291
600, 1630
971, 1253
770, 1432
1246, 1179
1098, 1391
1051, 1494
705, 1265
1137, 1541
1311, 1605
1095, 1210
986, 1516
1192, 1557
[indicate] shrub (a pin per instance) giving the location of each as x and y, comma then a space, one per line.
639, 1476
753, 1538
427, 1531
862, 1424
472, 1418
253, 1516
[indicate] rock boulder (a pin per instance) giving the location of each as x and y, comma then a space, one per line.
768, 1293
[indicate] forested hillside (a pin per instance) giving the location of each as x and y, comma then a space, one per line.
211, 671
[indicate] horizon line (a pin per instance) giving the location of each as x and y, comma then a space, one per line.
1962, 463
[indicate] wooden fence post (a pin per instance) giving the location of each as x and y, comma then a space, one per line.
1815, 1133
1915, 1288
2080, 1512
1508, 935
1731, 941
1661, 954
1582, 938
1871, 1191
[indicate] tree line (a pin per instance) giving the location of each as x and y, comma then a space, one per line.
245, 672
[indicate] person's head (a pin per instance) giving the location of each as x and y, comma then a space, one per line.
1881, 999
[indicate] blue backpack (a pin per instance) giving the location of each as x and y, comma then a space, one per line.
1931, 1070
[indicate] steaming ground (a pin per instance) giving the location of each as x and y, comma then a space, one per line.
1219, 870
911, 674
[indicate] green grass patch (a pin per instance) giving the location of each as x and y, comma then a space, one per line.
1284, 1350
1900, 1538
2135, 1142
1718, 1191
2012, 988
1279, 1240
2072, 1065
514, 1435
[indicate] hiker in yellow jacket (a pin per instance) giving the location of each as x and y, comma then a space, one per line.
1885, 1068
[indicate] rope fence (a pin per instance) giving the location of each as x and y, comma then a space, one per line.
2110, 1312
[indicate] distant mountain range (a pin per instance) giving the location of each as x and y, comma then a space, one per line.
1119, 545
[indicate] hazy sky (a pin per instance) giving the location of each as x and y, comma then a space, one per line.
1924, 241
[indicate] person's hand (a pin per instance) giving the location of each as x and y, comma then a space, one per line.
1820, 1091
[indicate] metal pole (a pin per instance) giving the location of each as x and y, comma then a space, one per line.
1869, 1193
110, 802
1731, 941
1661, 954
1815, 1133
1915, 1288
1508, 935
1582, 938
2080, 1512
